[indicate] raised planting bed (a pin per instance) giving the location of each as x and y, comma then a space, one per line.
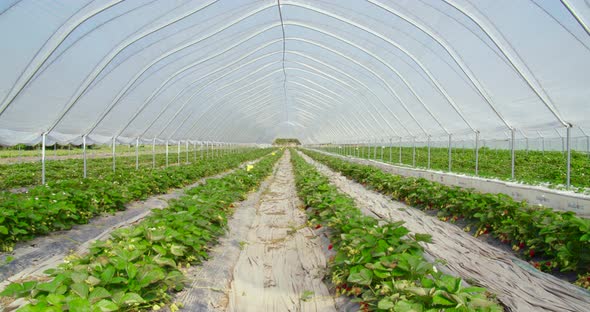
381, 264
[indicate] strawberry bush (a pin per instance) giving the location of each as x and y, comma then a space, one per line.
381, 265
561, 238
140, 267
60, 205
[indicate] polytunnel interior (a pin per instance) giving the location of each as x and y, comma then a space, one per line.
295, 155
322, 71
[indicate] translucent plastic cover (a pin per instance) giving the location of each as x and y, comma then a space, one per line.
319, 70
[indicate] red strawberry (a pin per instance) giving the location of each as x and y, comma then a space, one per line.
319, 226
521, 245
532, 253
330, 247
548, 263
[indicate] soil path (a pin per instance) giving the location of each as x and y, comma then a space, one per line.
515, 282
268, 261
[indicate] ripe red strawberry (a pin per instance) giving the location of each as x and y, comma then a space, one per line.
521, 245
548, 263
319, 226
532, 253
330, 247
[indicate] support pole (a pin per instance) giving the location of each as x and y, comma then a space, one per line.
513, 152
166, 153
137, 154
390, 150
382, 149
476, 153
154, 154
207, 149
375, 150
114, 150
450, 152
84, 155
569, 155
43, 146
413, 151
187, 151
400, 150
195, 149
178, 153
428, 162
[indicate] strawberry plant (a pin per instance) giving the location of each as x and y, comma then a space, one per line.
560, 238
140, 267
381, 265
61, 204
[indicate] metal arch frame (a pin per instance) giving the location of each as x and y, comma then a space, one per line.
353, 79
326, 76
449, 49
384, 119
575, 13
513, 57
202, 88
191, 84
235, 90
397, 46
156, 92
369, 53
50, 46
300, 25
104, 63
359, 83
190, 132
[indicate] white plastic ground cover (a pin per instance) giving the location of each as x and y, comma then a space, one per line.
534, 195
321, 70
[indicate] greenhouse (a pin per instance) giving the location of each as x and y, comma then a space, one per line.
295, 155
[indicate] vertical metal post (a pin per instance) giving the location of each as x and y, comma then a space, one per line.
201, 148
513, 152
178, 153
390, 150
400, 150
382, 149
428, 162
450, 152
569, 155
187, 151
84, 155
154, 154
166, 153
413, 151
114, 150
43, 146
375, 150
207, 149
476, 153
137, 154
362, 150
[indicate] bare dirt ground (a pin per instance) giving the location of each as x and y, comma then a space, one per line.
268, 261
516, 284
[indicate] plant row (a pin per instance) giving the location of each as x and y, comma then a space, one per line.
381, 264
560, 239
531, 167
62, 204
140, 267
27, 174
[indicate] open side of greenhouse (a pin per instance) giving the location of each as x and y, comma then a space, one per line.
295, 155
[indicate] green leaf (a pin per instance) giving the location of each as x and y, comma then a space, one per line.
3, 230
441, 300
131, 298
177, 250
362, 277
56, 300
81, 289
98, 293
79, 305
107, 275
385, 304
78, 277
427, 238
105, 306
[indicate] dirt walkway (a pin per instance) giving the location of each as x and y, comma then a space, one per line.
268, 261
516, 283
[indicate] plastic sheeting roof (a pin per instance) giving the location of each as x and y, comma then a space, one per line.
321, 70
